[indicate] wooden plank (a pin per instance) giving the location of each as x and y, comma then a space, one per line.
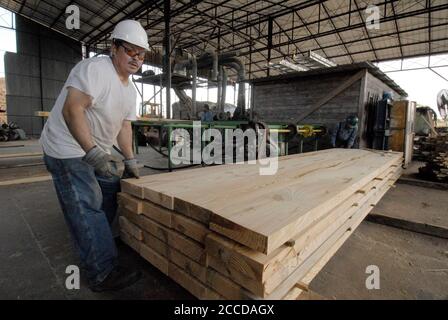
281, 267
21, 155
318, 238
132, 187
422, 183
305, 267
157, 213
236, 269
190, 267
429, 229
254, 225
159, 246
293, 294
245, 180
192, 285
188, 247
130, 228
156, 229
129, 202
257, 266
197, 180
254, 286
247, 216
130, 241
154, 258
188, 282
306, 280
226, 287
194, 212
130, 215
189, 227
174, 239
25, 180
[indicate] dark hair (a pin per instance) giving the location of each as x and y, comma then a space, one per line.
117, 42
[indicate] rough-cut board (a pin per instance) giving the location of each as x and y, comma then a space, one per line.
129, 202
130, 241
189, 227
130, 228
173, 239
154, 258
157, 213
236, 268
257, 266
302, 270
262, 212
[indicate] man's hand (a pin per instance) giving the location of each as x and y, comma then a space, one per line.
101, 161
130, 169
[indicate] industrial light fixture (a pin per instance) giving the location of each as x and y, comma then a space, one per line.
309, 61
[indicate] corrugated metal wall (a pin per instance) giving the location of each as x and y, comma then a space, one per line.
42, 63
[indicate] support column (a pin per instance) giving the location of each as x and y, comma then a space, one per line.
166, 57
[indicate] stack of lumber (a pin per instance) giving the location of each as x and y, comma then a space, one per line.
226, 232
436, 167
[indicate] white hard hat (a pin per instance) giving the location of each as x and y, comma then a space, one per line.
131, 31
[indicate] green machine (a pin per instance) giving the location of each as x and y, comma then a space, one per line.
164, 128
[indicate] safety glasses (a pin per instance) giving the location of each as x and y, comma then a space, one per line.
132, 52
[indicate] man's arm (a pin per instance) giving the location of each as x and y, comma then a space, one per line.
124, 140
73, 112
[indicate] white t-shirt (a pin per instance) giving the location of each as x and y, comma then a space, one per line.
112, 103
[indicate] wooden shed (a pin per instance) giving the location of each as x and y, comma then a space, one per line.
323, 96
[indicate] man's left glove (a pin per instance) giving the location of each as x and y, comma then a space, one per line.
130, 169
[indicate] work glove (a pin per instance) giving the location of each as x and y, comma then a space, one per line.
130, 169
102, 162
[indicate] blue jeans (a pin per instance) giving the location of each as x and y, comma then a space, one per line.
89, 204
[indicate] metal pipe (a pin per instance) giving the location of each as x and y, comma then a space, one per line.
239, 67
167, 61
215, 66
224, 89
193, 90
219, 83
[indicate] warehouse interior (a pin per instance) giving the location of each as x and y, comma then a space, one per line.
321, 227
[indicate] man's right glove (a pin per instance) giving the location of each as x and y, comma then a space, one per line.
102, 162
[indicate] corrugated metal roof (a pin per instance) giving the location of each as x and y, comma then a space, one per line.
374, 70
335, 29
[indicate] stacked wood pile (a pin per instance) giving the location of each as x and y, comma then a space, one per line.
2, 101
226, 232
423, 146
436, 167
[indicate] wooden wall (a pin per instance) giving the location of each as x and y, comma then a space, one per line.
285, 101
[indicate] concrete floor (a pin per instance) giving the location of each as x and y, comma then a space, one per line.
36, 249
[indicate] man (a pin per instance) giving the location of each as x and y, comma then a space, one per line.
93, 112
345, 133
207, 115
